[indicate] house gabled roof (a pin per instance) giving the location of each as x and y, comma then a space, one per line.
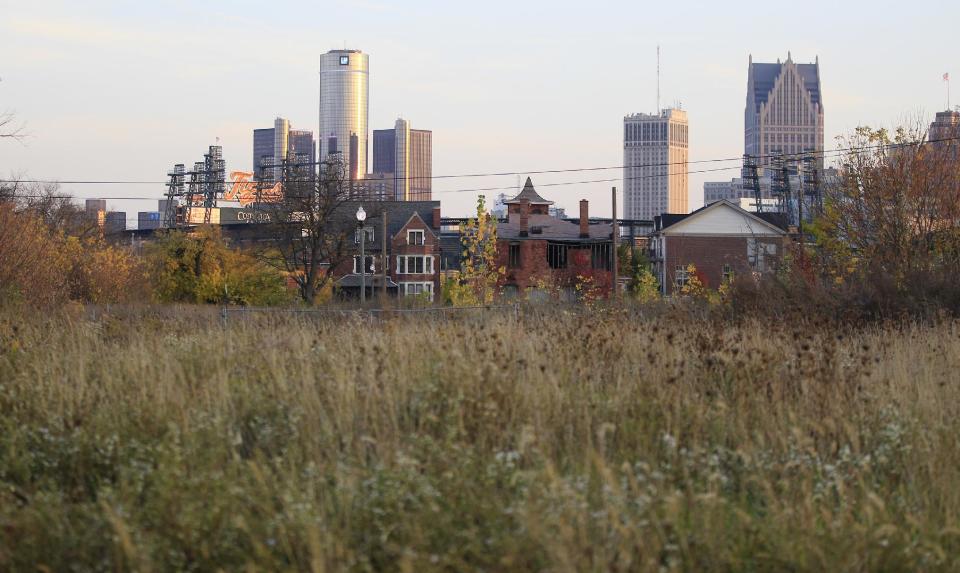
415, 215
530, 193
670, 221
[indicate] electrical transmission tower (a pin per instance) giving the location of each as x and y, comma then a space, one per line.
200, 187
751, 180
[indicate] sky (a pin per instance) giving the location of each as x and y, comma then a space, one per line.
124, 90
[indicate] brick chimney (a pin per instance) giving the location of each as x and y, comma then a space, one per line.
584, 219
436, 217
524, 217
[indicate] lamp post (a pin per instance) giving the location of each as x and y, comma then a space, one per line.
361, 216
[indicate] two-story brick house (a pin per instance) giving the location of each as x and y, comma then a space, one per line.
721, 240
412, 263
544, 255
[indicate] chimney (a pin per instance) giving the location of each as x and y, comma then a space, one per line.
584, 219
524, 217
436, 217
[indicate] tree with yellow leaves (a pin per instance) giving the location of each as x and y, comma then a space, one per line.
478, 279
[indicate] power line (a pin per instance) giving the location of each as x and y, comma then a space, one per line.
799, 154
826, 154
474, 190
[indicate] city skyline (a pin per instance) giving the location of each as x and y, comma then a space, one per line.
497, 99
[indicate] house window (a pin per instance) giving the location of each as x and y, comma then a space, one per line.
680, 276
368, 239
370, 267
417, 289
514, 256
557, 255
414, 237
600, 256
414, 265
727, 274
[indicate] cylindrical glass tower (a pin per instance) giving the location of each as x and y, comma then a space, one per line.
344, 96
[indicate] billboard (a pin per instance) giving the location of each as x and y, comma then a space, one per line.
242, 216
244, 190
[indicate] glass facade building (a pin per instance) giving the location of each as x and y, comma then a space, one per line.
407, 154
262, 148
272, 145
344, 108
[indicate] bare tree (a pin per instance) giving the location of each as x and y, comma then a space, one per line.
895, 209
56, 209
308, 229
9, 128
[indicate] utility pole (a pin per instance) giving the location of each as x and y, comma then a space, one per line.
615, 240
363, 265
386, 262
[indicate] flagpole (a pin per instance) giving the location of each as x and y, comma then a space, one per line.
946, 78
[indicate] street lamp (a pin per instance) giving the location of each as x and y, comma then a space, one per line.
361, 217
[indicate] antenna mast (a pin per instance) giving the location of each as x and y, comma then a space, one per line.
658, 79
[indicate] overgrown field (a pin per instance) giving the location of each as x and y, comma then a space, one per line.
568, 441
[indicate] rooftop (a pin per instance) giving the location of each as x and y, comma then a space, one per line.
531, 194
765, 76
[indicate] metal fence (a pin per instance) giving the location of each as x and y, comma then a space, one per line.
370, 314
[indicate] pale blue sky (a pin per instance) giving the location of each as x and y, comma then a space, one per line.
123, 90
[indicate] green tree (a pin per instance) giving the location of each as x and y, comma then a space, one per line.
199, 267
642, 285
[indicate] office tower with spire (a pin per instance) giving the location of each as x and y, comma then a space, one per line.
344, 109
784, 111
655, 156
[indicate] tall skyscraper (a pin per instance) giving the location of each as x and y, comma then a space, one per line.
281, 145
407, 154
655, 155
303, 144
262, 149
344, 108
784, 112
272, 145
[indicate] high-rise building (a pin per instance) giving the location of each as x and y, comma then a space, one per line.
946, 126
784, 111
281, 144
302, 143
344, 108
272, 145
655, 155
407, 154
262, 152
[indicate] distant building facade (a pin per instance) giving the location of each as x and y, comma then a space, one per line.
407, 154
655, 158
344, 109
945, 126
784, 110
148, 220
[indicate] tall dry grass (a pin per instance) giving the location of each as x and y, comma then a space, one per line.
562, 441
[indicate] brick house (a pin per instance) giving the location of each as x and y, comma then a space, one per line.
412, 264
721, 239
543, 254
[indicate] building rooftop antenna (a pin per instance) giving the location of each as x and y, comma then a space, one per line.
658, 79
